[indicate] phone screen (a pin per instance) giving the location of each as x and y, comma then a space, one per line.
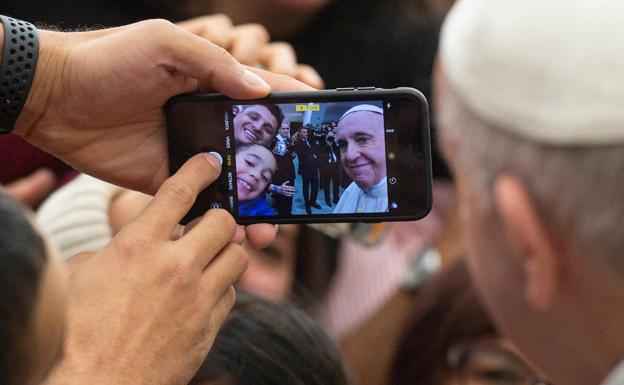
308, 160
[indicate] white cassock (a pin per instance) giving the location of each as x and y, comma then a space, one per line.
356, 200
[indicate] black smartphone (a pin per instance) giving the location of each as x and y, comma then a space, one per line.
346, 155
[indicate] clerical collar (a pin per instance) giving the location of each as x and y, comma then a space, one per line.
380, 190
616, 376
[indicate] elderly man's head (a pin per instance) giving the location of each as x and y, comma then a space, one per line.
360, 136
537, 148
257, 124
535, 137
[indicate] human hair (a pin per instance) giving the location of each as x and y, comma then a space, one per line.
577, 189
275, 110
22, 260
451, 314
265, 343
243, 147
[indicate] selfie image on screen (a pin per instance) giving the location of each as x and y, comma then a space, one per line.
306, 159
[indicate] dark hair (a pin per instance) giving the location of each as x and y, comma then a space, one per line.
452, 314
243, 147
22, 259
277, 112
265, 343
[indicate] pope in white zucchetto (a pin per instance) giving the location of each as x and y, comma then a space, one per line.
530, 103
360, 137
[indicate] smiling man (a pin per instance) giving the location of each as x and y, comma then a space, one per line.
257, 124
360, 136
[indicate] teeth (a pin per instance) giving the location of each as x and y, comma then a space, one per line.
246, 185
250, 132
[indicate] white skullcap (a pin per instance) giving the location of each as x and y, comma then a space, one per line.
551, 71
362, 107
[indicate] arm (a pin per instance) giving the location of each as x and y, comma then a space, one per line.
134, 316
96, 98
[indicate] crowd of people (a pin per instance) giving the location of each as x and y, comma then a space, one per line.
515, 278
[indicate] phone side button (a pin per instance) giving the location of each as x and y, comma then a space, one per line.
366, 88
345, 89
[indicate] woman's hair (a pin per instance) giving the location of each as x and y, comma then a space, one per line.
22, 260
265, 343
452, 314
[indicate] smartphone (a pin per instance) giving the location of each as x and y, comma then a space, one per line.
346, 155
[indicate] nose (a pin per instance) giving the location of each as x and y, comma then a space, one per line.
351, 154
257, 127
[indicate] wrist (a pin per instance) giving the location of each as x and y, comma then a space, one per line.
46, 81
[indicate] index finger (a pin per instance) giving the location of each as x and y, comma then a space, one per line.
177, 194
281, 82
212, 66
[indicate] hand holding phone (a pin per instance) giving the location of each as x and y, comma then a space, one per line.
309, 157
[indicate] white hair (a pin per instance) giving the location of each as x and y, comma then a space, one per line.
578, 190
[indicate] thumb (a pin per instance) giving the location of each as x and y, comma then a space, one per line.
212, 66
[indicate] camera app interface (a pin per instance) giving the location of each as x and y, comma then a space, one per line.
320, 159
306, 159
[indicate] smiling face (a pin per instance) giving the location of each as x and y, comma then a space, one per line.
255, 125
360, 136
255, 166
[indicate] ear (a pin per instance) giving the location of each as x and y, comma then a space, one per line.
529, 239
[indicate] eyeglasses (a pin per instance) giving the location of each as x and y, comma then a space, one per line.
491, 366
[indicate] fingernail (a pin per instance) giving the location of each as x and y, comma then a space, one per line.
254, 80
212, 159
276, 227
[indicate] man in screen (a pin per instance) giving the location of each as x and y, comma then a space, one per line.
257, 124
283, 187
255, 167
360, 137
308, 168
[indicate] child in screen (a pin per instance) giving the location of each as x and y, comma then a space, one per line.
255, 166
